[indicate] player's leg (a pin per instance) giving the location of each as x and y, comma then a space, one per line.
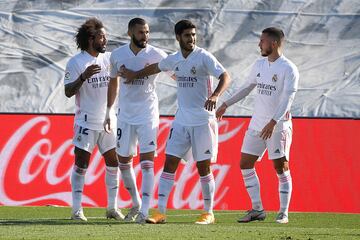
281, 166
82, 158
84, 141
279, 149
147, 143
252, 149
204, 141
126, 148
166, 183
208, 190
177, 146
112, 184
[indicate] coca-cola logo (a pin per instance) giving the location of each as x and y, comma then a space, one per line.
35, 167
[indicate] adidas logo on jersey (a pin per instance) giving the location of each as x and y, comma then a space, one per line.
277, 151
152, 143
176, 69
258, 75
207, 152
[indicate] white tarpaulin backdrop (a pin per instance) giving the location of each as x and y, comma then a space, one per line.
323, 37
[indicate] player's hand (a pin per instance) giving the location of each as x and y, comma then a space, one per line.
127, 74
210, 103
221, 111
107, 121
268, 130
90, 71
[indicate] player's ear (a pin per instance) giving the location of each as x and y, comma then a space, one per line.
177, 37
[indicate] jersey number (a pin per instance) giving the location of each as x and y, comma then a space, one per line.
171, 130
118, 133
83, 131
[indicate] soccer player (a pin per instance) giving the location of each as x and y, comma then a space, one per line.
195, 123
138, 115
87, 77
276, 80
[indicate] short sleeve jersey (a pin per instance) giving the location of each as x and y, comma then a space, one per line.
194, 77
91, 99
272, 80
138, 102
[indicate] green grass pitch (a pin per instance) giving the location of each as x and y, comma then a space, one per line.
53, 223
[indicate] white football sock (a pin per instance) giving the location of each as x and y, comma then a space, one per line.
112, 186
77, 186
208, 191
165, 184
252, 185
128, 176
147, 185
285, 189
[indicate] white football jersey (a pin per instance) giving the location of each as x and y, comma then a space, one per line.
91, 99
138, 102
194, 84
274, 84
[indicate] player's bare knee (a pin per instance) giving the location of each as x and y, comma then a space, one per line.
125, 160
82, 158
171, 164
281, 165
203, 168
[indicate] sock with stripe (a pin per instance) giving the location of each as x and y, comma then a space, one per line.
285, 189
208, 191
128, 176
147, 185
112, 186
252, 185
77, 186
165, 184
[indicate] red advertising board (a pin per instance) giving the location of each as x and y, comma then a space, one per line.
36, 159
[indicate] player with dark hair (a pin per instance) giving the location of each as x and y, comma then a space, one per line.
138, 115
276, 80
195, 125
87, 77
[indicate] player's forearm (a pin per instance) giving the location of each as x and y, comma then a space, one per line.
72, 88
112, 92
286, 101
242, 93
148, 71
223, 84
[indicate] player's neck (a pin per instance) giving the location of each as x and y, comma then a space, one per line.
134, 48
186, 53
92, 52
274, 56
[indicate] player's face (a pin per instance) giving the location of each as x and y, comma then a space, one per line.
140, 35
100, 41
187, 39
266, 45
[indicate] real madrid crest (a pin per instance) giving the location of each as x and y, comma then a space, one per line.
274, 78
193, 70
67, 75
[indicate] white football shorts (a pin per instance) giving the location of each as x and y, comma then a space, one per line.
203, 141
128, 136
86, 139
278, 145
